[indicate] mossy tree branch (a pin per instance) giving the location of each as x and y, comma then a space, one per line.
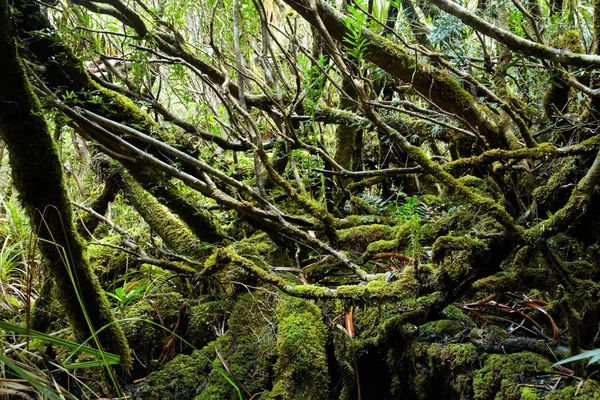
166, 225
572, 213
517, 43
443, 90
374, 290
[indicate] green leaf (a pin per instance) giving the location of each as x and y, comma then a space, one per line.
554, 83
593, 355
34, 380
111, 358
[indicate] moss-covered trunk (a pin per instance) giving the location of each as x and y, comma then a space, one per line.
168, 227
199, 220
37, 175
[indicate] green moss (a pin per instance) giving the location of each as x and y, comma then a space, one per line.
378, 288
438, 371
211, 264
553, 194
401, 241
447, 244
456, 254
313, 291
483, 187
500, 374
248, 347
345, 355
261, 250
458, 221
355, 220
368, 319
588, 390
145, 339
185, 204
455, 312
301, 369
104, 258
431, 200
571, 40
358, 238
356, 292
459, 356
528, 393
380, 246
348, 138
167, 226
325, 270
403, 288
492, 156
206, 320
443, 327
123, 108
178, 379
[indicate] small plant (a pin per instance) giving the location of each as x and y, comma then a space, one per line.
315, 82
10, 261
41, 379
416, 229
70, 95
411, 212
377, 202
447, 32
125, 297
406, 211
358, 43
14, 235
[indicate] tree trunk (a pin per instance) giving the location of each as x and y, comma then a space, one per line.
37, 175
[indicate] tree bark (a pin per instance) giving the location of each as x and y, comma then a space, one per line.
38, 177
